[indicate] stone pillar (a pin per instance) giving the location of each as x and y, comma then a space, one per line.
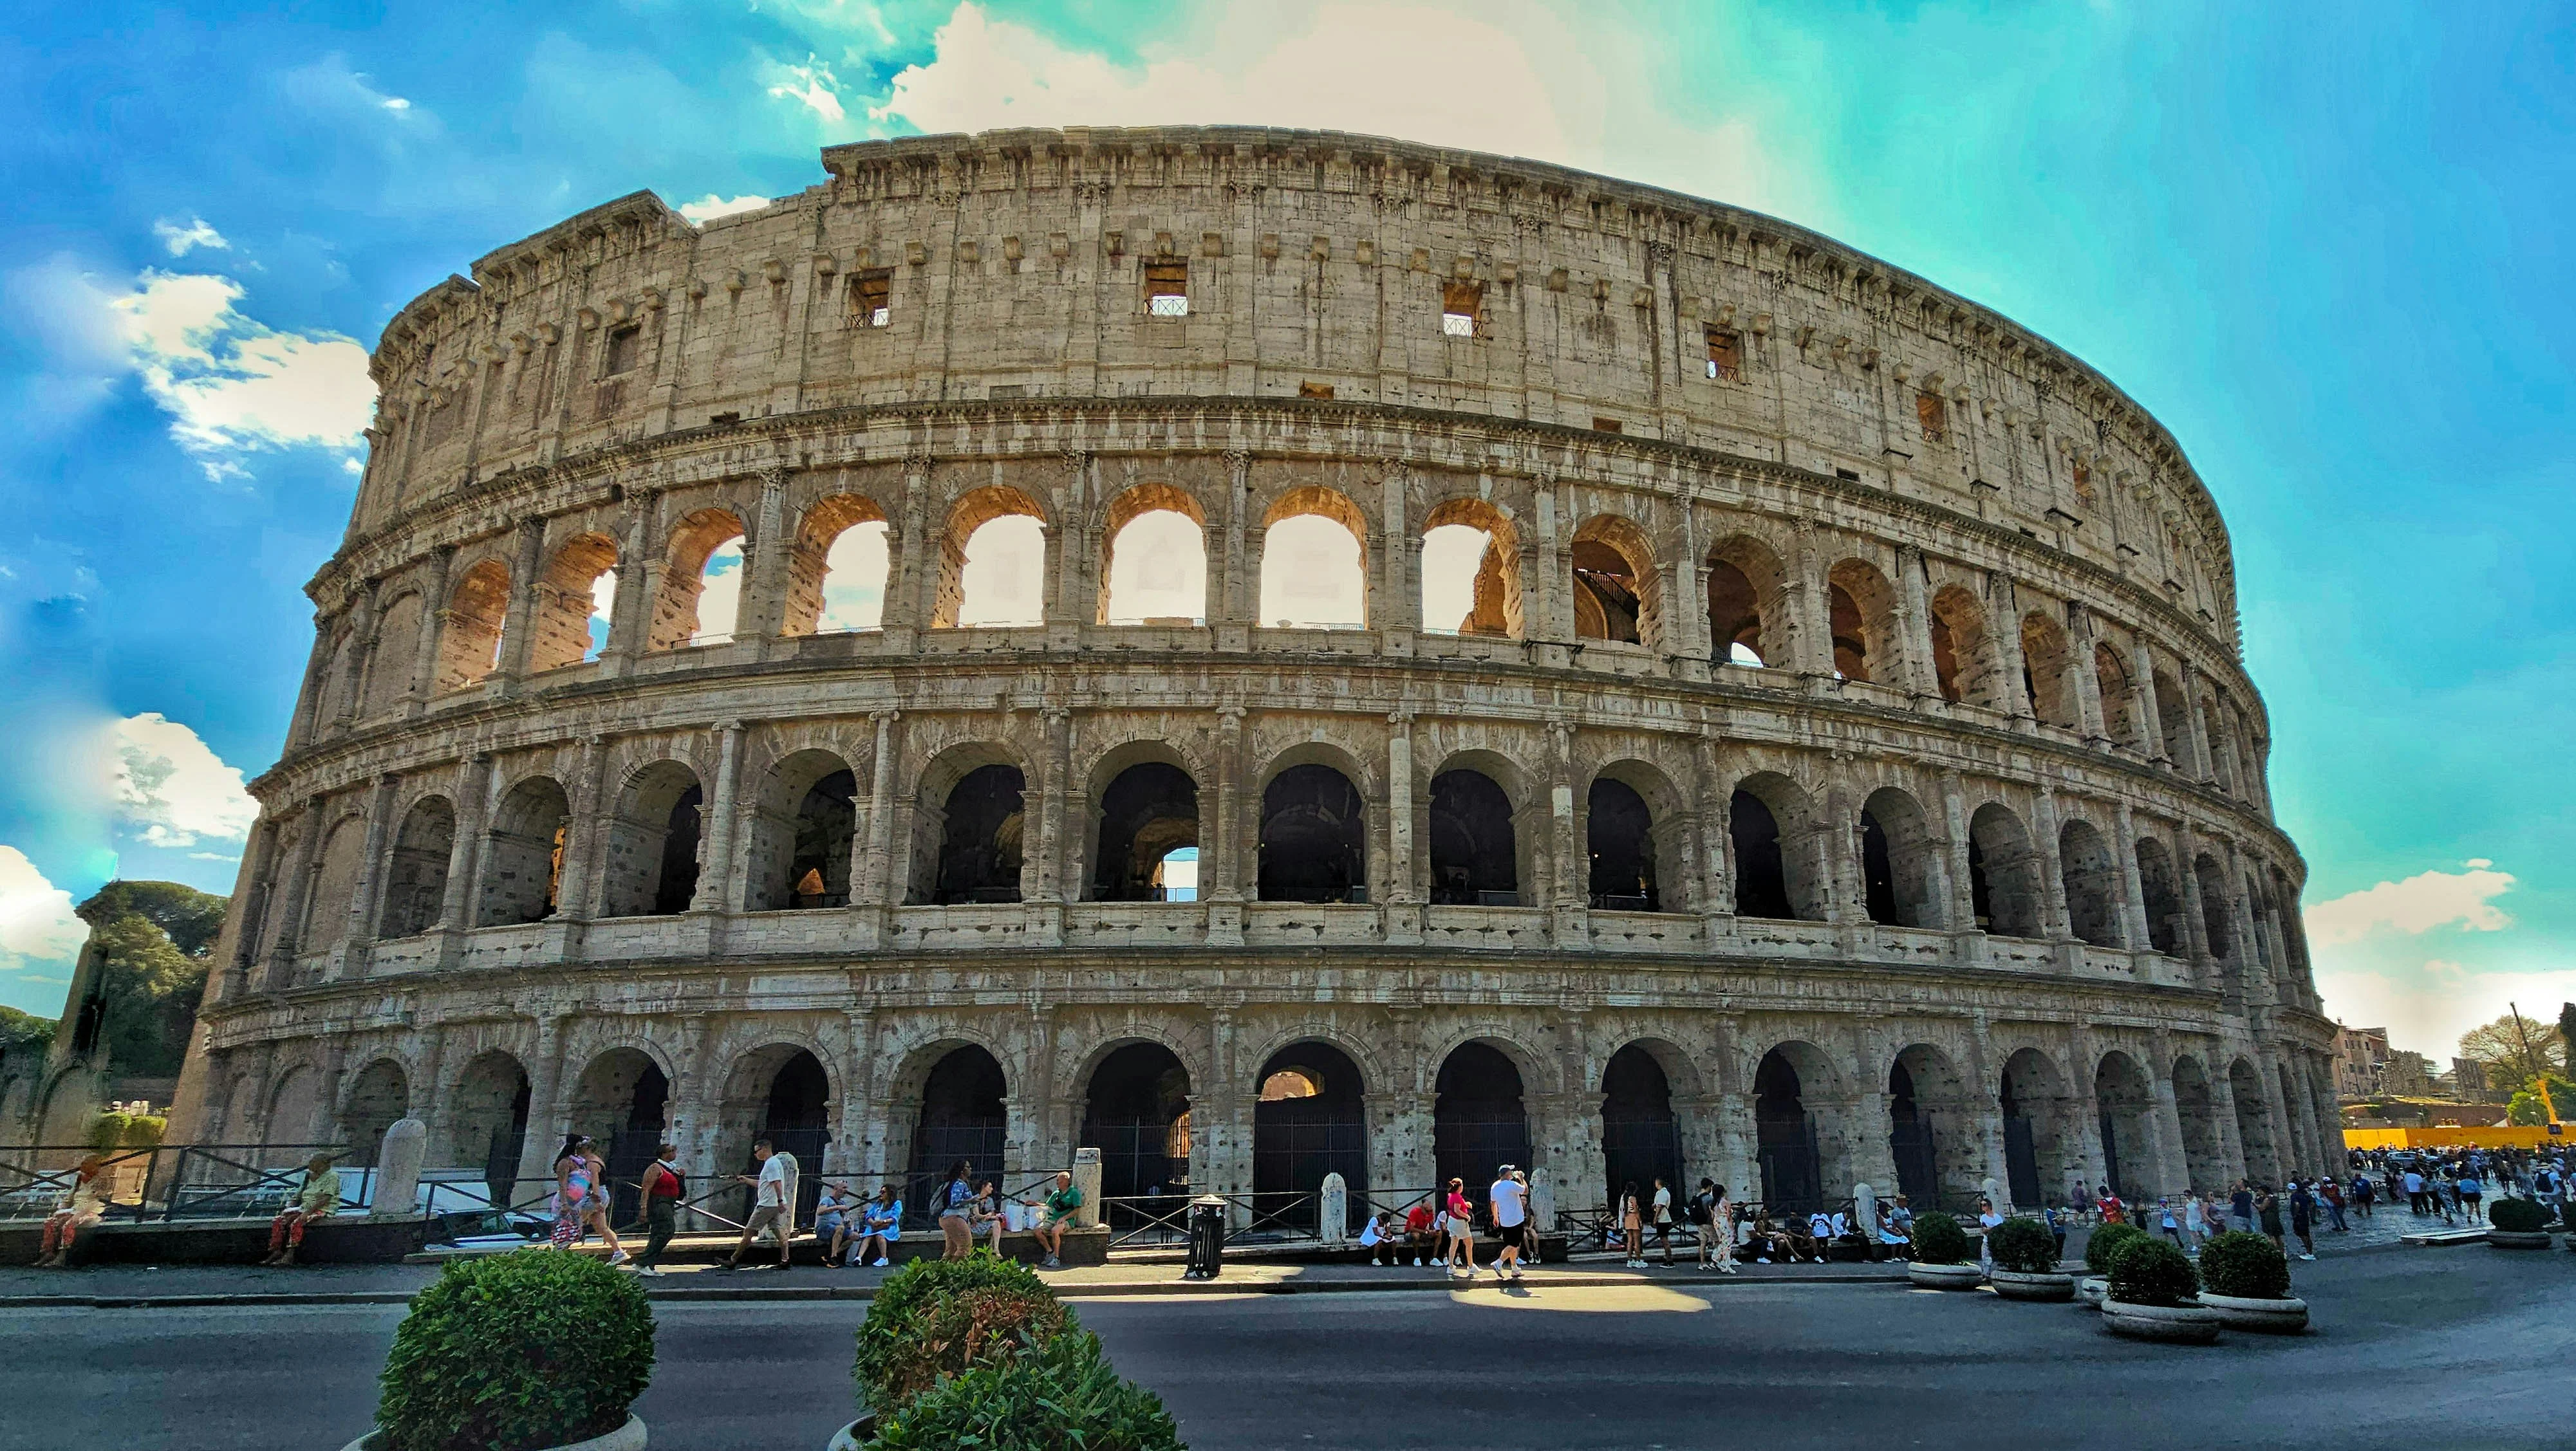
398, 1164
2195, 921
1402, 878
1712, 862
2199, 766
2052, 881
1686, 601
1086, 1178
1070, 599
286, 941
2006, 611
306, 724
1055, 811
359, 930
363, 621
877, 887
2257, 986
715, 876
2173, 1159
1397, 619
630, 612
1815, 617
2151, 724
473, 785
912, 561
1985, 1092
546, 1126
2133, 890
2222, 1107
433, 622
2088, 678
1569, 890
1236, 595
1914, 625
260, 894
517, 632
1954, 821
587, 841
762, 612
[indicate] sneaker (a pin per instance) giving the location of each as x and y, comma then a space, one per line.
881, 1264
648, 1270
728, 1266
1417, 1264
620, 1258
2307, 1257
1050, 1263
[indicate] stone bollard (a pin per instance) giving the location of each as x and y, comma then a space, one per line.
1542, 1206
398, 1163
1995, 1194
1865, 1212
1333, 1216
1086, 1177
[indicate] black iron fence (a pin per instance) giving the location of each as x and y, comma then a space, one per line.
173, 1181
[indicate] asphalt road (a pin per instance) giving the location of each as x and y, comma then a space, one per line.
2460, 1347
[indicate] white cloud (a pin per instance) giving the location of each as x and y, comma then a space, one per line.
811, 85
164, 781
2428, 1008
2416, 905
182, 239
709, 207
37, 925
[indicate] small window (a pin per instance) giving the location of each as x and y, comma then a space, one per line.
619, 356
1167, 289
1462, 309
1933, 414
1314, 390
871, 298
1725, 355
1605, 425
1851, 474
2084, 483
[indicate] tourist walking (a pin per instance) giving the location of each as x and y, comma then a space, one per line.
1702, 1225
2303, 1218
1509, 1199
1458, 1222
2240, 1207
2415, 1192
1632, 1226
1987, 1219
773, 1206
880, 1224
2472, 1192
317, 1199
594, 1209
955, 1205
84, 1204
660, 1206
2195, 1225
572, 1190
2267, 1212
1721, 1223
2332, 1193
2168, 1221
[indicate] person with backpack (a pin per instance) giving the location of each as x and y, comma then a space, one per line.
2303, 1218
955, 1206
1701, 1203
663, 1189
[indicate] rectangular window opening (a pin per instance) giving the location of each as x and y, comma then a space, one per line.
1725, 355
1462, 308
1606, 425
1167, 289
1933, 414
1314, 390
619, 355
872, 297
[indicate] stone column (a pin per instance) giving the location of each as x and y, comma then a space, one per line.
715, 878
473, 785
1397, 619
1074, 545
1985, 1093
2199, 766
2173, 1157
2195, 921
517, 632
2151, 724
762, 613
1815, 616
2257, 986
1713, 861
259, 893
2088, 679
2052, 881
1402, 879
433, 624
2007, 617
363, 622
306, 724
912, 566
875, 886
546, 1125
1914, 625
630, 612
1954, 820
576, 893
360, 929
2133, 890
1686, 600
1569, 890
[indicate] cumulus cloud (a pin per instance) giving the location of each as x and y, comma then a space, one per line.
182, 239
811, 85
2427, 1008
171, 789
709, 207
38, 930
2416, 905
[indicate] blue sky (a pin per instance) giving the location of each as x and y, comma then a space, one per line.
2326, 245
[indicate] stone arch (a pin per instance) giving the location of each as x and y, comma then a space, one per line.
969, 826
2173, 718
1479, 1113
523, 854
814, 578
2126, 1098
2092, 881
1900, 860
1615, 585
2222, 764
337, 872
1771, 823
2046, 661
1748, 603
396, 652
1963, 650
1800, 1144
1141, 815
1310, 1119
291, 1119
1495, 606
567, 598
378, 1096
2003, 874
416, 872
2120, 713
2040, 1158
2162, 895
1867, 643
975, 512
693, 542
1634, 842
804, 833
1313, 838
2254, 1122
469, 641
1139, 507
2203, 1145
651, 862
1933, 1129
1641, 1139
623, 1099
2215, 926
1135, 1091
1479, 853
1284, 581
783, 1091
951, 1102
487, 1120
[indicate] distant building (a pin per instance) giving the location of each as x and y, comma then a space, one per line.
2408, 1074
2361, 1062
2469, 1075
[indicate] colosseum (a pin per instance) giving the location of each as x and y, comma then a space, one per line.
1267, 653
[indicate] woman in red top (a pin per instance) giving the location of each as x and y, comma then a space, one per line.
1462, 1228
660, 1206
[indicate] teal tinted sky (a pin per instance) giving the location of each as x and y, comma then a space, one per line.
2325, 245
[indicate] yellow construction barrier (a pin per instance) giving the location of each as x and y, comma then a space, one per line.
2442, 1138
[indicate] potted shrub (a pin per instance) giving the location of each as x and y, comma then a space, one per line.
2155, 1295
2025, 1256
2106, 1242
1062, 1396
1941, 1251
2246, 1279
527, 1351
2517, 1224
934, 1320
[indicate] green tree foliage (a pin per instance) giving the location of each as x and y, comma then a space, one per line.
2526, 1108
2500, 1046
23, 1033
2567, 1037
154, 940
535, 1348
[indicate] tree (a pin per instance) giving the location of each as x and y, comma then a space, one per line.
2500, 1046
24, 1037
2567, 1037
2526, 1107
153, 940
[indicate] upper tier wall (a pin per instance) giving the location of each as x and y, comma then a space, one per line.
1019, 264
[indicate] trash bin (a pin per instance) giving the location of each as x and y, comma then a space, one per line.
1207, 1237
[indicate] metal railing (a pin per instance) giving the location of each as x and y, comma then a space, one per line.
172, 1181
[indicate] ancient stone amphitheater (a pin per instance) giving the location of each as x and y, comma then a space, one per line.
1653, 691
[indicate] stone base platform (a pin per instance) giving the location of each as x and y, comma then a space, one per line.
350, 1240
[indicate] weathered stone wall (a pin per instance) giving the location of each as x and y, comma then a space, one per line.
2015, 767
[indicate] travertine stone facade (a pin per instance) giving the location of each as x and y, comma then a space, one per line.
1973, 875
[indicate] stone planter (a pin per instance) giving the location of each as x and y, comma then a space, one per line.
629, 1437
2521, 1239
2016, 1285
2267, 1317
2092, 1290
1945, 1277
2170, 1325
854, 1436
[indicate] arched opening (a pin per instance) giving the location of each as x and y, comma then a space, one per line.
2119, 703
837, 568
1932, 1130
992, 562
1620, 844
1314, 839
1156, 571
416, 875
2254, 1123
1776, 874
1475, 856
1614, 588
779, 1093
1641, 1141
1785, 1143
2173, 720
2212, 880
2037, 1164
2003, 873
379, 1099
1963, 654
1863, 607
980, 839
1309, 1122
2044, 662
490, 1115
2222, 768
469, 643
335, 882
1314, 575
2162, 898
2204, 1157
651, 865
389, 668
523, 855
1149, 812
803, 834
574, 599
1745, 587
1899, 872
2092, 883
2127, 1103
701, 583
1136, 1111
1471, 571
962, 1117
622, 1100
1477, 1121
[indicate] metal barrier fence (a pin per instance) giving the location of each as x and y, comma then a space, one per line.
172, 1181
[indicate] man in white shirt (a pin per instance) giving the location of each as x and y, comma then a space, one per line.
1511, 1220
773, 1205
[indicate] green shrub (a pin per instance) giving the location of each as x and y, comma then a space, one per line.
2147, 1271
913, 1334
2246, 1266
2517, 1216
107, 1131
2023, 1246
2106, 1241
1064, 1397
529, 1349
1938, 1239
